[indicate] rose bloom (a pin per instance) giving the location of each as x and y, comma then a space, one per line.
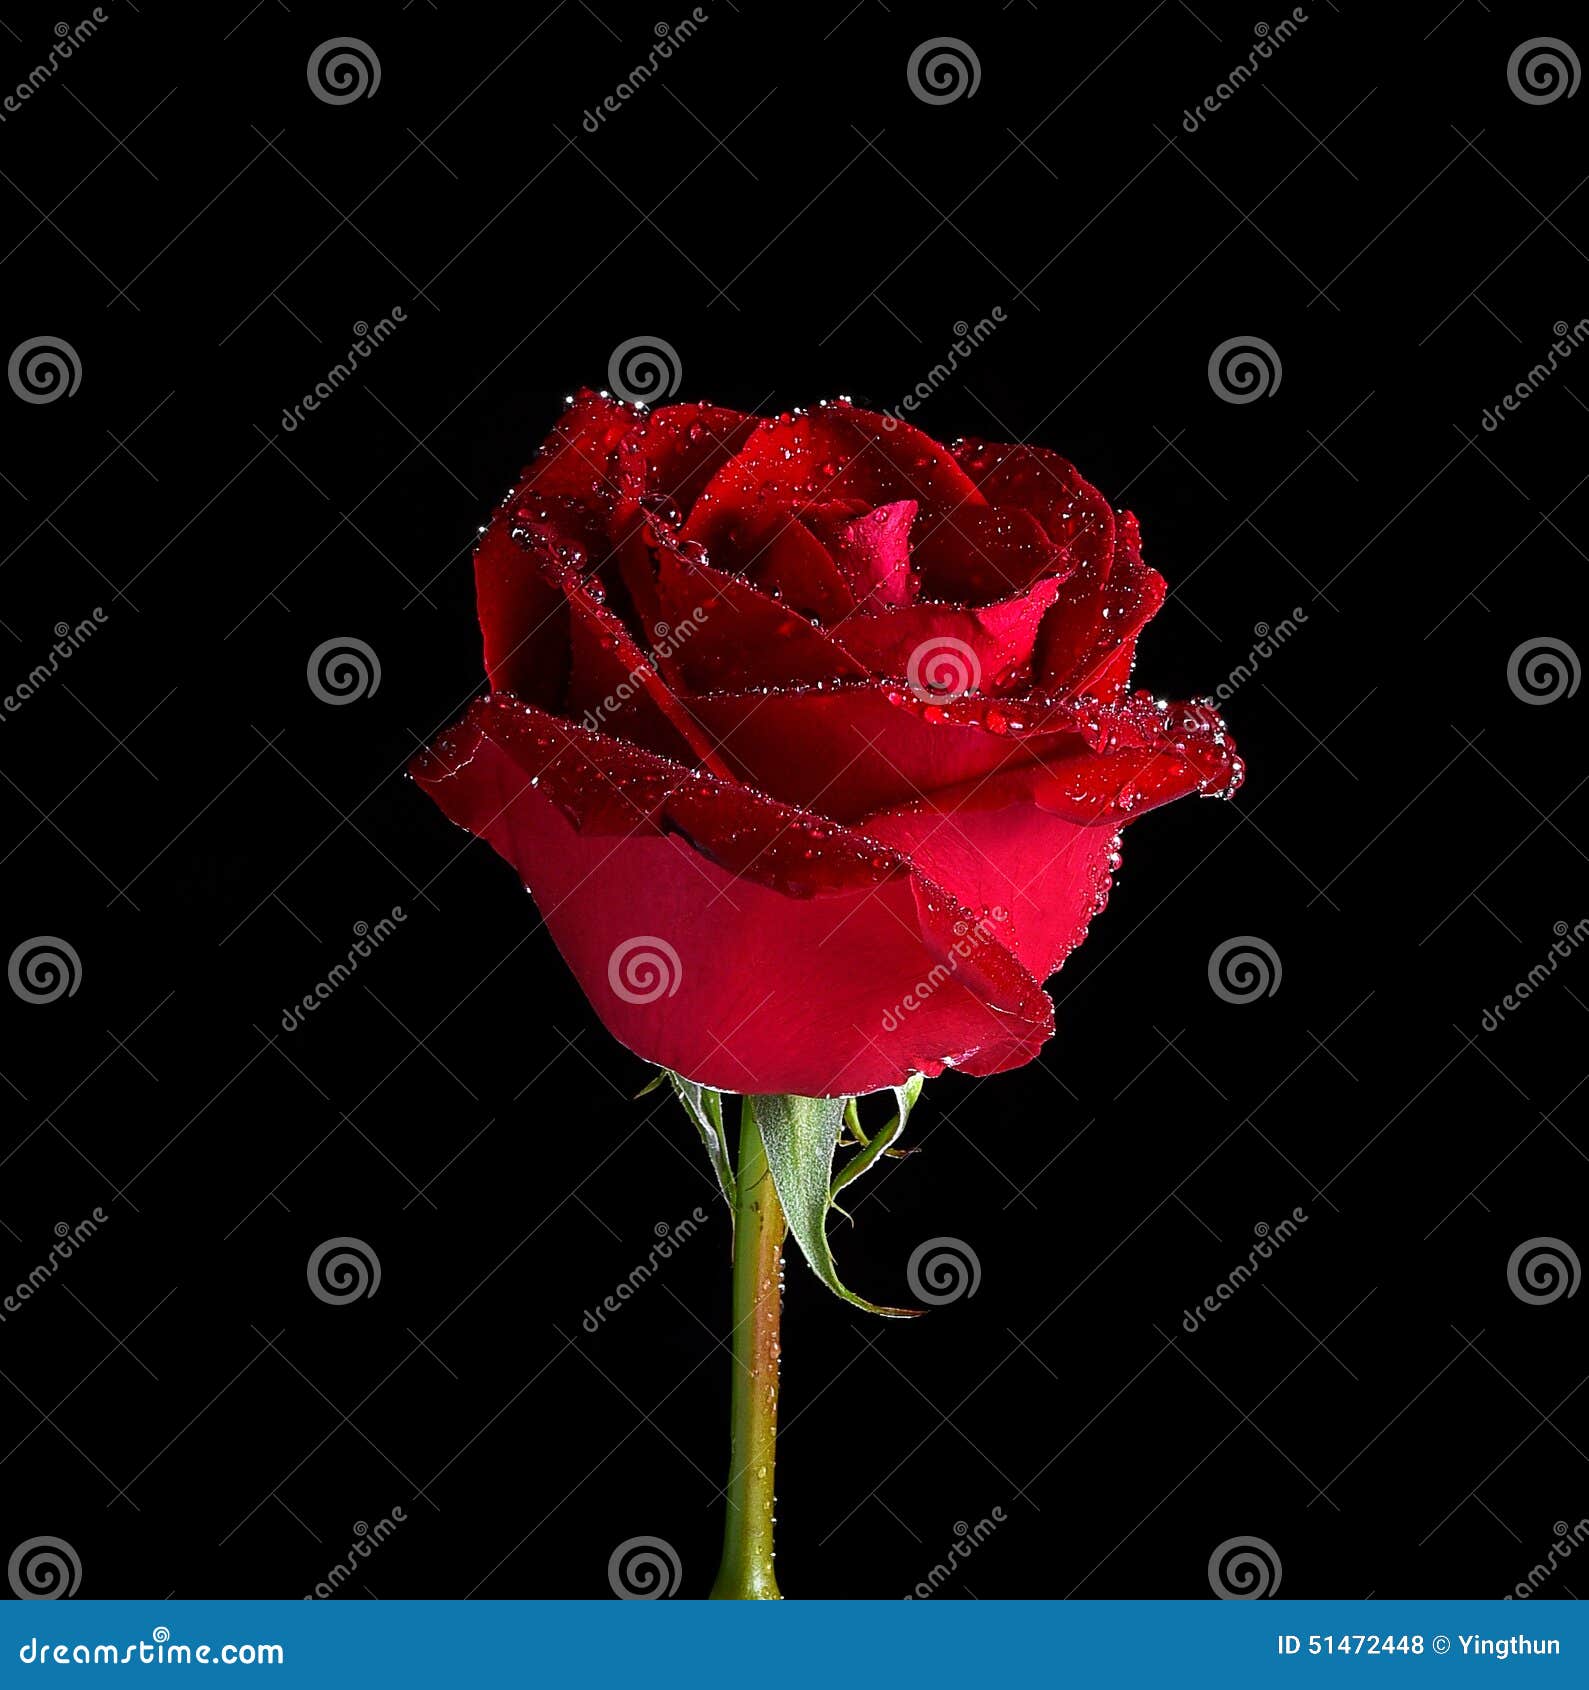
812, 738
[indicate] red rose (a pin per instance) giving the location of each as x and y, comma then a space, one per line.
812, 738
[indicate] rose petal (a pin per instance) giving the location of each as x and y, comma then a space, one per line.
744, 945
871, 551
980, 553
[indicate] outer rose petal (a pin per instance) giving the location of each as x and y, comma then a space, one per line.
738, 942
1130, 599
1039, 841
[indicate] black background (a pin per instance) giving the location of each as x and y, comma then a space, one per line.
1378, 205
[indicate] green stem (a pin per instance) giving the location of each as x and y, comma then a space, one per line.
747, 1570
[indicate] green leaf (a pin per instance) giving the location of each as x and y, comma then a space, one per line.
905, 1100
801, 1135
705, 1108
